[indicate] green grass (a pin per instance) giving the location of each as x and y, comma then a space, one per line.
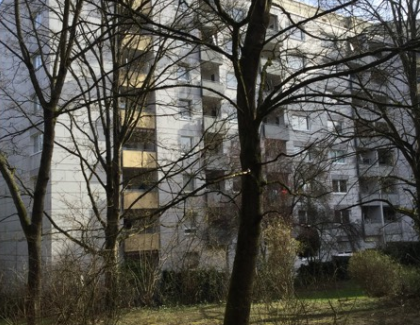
340, 290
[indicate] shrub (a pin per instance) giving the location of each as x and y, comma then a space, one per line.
410, 281
406, 253
378, 274
275, 271
192, 287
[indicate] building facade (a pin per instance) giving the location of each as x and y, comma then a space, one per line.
177, 133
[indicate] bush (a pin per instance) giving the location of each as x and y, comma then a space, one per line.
275, 271
378, 274
406, 253
192, 287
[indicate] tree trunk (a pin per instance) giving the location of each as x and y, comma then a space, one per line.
238, 306
33, 298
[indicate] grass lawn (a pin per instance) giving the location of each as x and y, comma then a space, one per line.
346, 305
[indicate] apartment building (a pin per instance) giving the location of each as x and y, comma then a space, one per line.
180, 168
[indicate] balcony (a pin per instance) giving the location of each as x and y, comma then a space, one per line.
143, 120
212, 125
138, 159
142, 242
375, 170
135, 41
273, 44
216, 89
393, 228
132, 79
208, 55
141, 200
373, 229
142, 6
275, 68
276, 131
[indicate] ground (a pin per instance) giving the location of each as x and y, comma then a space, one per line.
344, 306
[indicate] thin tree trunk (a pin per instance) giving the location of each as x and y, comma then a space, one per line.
33, 298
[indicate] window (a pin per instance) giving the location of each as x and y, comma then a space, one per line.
335, 127
385, 157
231, 81
295, 62
300, 122
142, 140
272, 119
296, 33
182, 6
237, 14
388, 186
183, 74
37, 61
185, 108
302, 216
139, 179
38, 19
214, 179
338, 156
37, 105
342, 216
37, 141
188, 182
229, 46
236, 184
339, 185
273, 23
389, 215
371, 214
186, 144
190, 223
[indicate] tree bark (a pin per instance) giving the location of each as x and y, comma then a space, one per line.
33, 298
238, 306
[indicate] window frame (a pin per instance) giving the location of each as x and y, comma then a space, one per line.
338, 156
190, 223
36, 61
188, 182
342, 216
339, 186
185, 108
295, 62
300, 126
37, 143
187, 145
335, 126
231, 81
183, 74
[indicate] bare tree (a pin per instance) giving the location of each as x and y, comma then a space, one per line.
43, 56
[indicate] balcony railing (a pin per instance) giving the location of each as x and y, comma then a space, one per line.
142, 242
216, 89
141, 200
208, 55
213, 125
276, 131
138, 42
132, 79
143, 119
138, 159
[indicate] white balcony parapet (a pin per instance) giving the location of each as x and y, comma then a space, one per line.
142, 242
138, 159
141, 200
